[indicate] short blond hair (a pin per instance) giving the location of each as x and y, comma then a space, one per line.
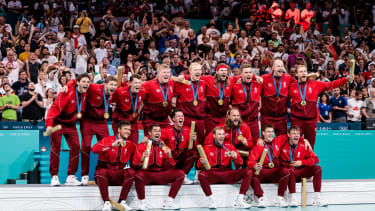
245, 66
162, 67
194, 64
299, 67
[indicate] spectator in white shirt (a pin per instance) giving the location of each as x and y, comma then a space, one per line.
81, 60
355, 106
100, 52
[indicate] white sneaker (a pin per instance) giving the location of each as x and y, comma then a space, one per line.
142, 205
124, 205
107, 206
250, 198
318, 200
281, 202
187, 181
261, 202
239, 202
55, 181
212, 202
85, 180
293, 200
170, 204
72, 180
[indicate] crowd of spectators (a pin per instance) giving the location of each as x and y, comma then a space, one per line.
44, 44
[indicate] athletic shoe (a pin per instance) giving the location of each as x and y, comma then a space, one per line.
212, 202
142, 205
107, 206
240, 202
72, 180
293, 200
250, 198
85, 180
318, 200
170, 204
187, 181
261, 202
124, 205
281, 202
55, 181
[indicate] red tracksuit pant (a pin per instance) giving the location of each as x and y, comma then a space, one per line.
254, 129
279, 123
275, 175
308, 128
105, 177
200, 127
224, 176
134, 135
296, 174
211, 122
143, 178
88, 129
186, 159
71, 137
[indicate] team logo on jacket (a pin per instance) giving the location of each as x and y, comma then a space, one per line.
73, 101
255, 90
161, 154
157, 90
284, 84
298, 154
310, 89
211, 154
126, 100
99, 98
269, 85
240, 91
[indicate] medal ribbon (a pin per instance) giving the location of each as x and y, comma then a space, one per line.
303, 95
245, 92
178, 138
195, 92
268, 152
277, 89
133, 104
79, 104
221, 92
106, 105
165, 96
290, 152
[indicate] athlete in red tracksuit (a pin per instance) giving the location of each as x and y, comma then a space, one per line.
301, 163
177, 138
219, 155
246, 96
160, 169
191, 100
304, 95
275, 97
128, 100
64, 112
158, 98
218, 92
94, 121
270, 171
114, 163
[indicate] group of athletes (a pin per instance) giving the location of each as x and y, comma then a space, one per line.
223, 113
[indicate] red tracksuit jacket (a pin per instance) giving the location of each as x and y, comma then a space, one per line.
124, 110
95, 102
270, 106
158, 159
249, 109
307, 157
185, 98
153, 101
64, 109
231, 136
314, 88
168, 136
256, 153
212, 107
111, 157
218, 157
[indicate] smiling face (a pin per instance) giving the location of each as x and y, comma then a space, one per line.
222, 74
294, 135
178, 119
124, 131
219, 135
110, 87
155, 133
235, 117
301, 74
83, 84
268, 134
246, 74
135, 85
195, 70
278, 68
164, 73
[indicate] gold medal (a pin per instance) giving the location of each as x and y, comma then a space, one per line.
229, 153
220, 102
303, 103
123, 144
240, 137
79, 115
195, 102
165, 103
106, 115
278, 99
134, 115
271, 165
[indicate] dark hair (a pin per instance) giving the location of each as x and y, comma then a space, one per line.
265, 126
110, 78
324, 94
83, 75
294, 127
123, 123
173, 114
137, 76
22, 71
152, 127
